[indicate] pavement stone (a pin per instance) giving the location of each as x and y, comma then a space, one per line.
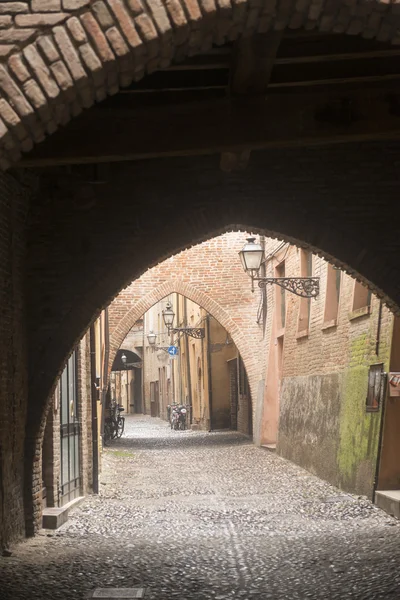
195, 515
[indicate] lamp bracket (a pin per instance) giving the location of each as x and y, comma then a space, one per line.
163, 348
194, 332
305, 287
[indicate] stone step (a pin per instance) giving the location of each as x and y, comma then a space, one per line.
389, 501
54, 517
270, 447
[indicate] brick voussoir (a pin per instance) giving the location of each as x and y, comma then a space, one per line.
42, 72
98, 38
178, 19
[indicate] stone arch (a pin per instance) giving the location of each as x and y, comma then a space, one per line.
57, 62
202, 299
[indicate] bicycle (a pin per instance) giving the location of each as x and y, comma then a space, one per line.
108, 431
119, 423
114, 424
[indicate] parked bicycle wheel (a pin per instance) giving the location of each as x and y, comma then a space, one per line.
120, 426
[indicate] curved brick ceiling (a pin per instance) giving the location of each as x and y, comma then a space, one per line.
61, 56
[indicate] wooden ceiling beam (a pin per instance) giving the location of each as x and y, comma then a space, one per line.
253, 59
227, 125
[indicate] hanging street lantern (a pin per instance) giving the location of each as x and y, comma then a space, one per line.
151, 337
168, 315
252, 257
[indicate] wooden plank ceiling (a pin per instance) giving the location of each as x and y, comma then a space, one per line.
293, 88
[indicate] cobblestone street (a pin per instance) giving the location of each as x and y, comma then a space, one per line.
198, 515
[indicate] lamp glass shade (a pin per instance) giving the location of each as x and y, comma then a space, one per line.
151, 338
123, 358
251, 256
168, 315
241, 256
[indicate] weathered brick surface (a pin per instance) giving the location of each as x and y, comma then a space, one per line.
51, 455
323, 423
129, 38
13, 357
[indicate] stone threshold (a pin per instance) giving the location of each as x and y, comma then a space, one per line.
110, 593
389, 501
53, 518
270, 447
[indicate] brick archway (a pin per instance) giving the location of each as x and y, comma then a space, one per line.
80, 258
240, 336
288, 200
211, 275
62, 56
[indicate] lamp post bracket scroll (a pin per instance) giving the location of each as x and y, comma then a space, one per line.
252, 257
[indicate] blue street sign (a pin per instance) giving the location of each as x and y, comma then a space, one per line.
173, 350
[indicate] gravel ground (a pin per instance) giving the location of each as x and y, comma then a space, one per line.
209, 516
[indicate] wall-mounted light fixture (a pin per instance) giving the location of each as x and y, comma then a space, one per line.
152, 339
252, 257
169, 316
127, 365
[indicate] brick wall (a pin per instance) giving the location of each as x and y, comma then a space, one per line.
323, 423
51, 455
233, 391
246, 409
61, 56
13, 360
51, 445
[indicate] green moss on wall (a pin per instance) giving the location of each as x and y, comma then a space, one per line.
358, 429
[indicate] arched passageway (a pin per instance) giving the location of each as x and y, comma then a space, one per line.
303, 196
241, 338
87, 239
239, 329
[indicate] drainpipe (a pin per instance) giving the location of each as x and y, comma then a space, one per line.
179, 353
105, 375
378, 331
95, 438
209, 369
380, 439
263, 290
188, 359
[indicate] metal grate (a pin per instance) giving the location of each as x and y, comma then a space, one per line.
109, 593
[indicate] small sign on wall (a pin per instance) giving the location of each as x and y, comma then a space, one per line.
394, 384
376, 387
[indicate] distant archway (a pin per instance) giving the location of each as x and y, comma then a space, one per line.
207, 303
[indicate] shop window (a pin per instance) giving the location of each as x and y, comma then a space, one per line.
305, 303
333, 283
